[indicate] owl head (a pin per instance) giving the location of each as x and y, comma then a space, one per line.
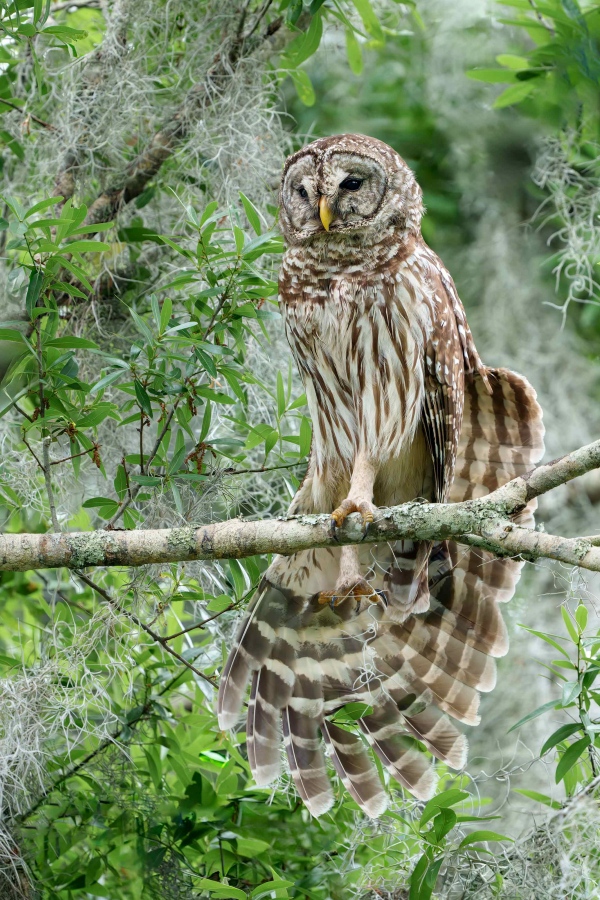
348, 185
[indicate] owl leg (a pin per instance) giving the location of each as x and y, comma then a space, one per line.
350, 584
360, 496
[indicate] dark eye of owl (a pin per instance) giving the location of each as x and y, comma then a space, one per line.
351, 184
303, 193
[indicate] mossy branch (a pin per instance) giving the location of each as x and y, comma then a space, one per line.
487, 522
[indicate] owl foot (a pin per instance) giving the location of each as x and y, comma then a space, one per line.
357, 589
347, 506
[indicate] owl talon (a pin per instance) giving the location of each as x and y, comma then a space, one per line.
347, 506
357, 590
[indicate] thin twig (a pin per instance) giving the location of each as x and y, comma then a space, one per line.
540, 17
200, 625
139, 624
29, 115
133, 494
107, 742
260, 470
32, 451
56, 462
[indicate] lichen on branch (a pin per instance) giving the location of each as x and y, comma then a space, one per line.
486, 522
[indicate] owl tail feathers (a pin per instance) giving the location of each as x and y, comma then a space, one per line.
258, 642
440, 736
355, 769
408, 592
386, 733
306, 761
271, 689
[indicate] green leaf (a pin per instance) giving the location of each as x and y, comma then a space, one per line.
105, 381
443, 823
237, 577
303, 85
571, 690
72, 343
303, 47
252, 213
423, 878
11, 334
142, 398
566, 616
305, 436
559, 735
96, 502
551, 704
514, 94
512, 62
492, 76
354, 52
572, 9
209, 210
352, 712
541, 798
570, 757
239, 238
251, 847
222, 890
43, 204
120, 483
88, 247
165, 314
206, 362
147, 480
135, 234
219, 604
477, 837
269, 886
581, 617
442, 801
280, 395
549, 640
369, 20
36, 280
206, 420
142, 327
298, 403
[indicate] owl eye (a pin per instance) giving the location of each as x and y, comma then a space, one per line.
351, 184
303, 193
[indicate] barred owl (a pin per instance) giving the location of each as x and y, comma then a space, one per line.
402, 409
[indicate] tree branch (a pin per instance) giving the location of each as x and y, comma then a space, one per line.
486, 522
163, 144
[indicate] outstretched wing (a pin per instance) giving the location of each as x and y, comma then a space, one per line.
305, 661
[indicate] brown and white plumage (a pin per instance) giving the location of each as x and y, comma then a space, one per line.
402, 408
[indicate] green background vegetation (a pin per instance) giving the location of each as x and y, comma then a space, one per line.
147, 384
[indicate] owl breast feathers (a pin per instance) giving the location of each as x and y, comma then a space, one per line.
402, 408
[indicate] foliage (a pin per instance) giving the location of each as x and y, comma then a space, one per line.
145, 384
556, 81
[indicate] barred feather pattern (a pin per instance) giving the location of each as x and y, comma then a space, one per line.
390, 369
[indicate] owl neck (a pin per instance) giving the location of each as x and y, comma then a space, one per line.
330, 254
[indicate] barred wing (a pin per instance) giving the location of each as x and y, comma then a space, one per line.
306, 661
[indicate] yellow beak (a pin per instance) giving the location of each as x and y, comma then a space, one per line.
325, 213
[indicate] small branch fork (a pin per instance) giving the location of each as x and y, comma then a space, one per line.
486, 522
